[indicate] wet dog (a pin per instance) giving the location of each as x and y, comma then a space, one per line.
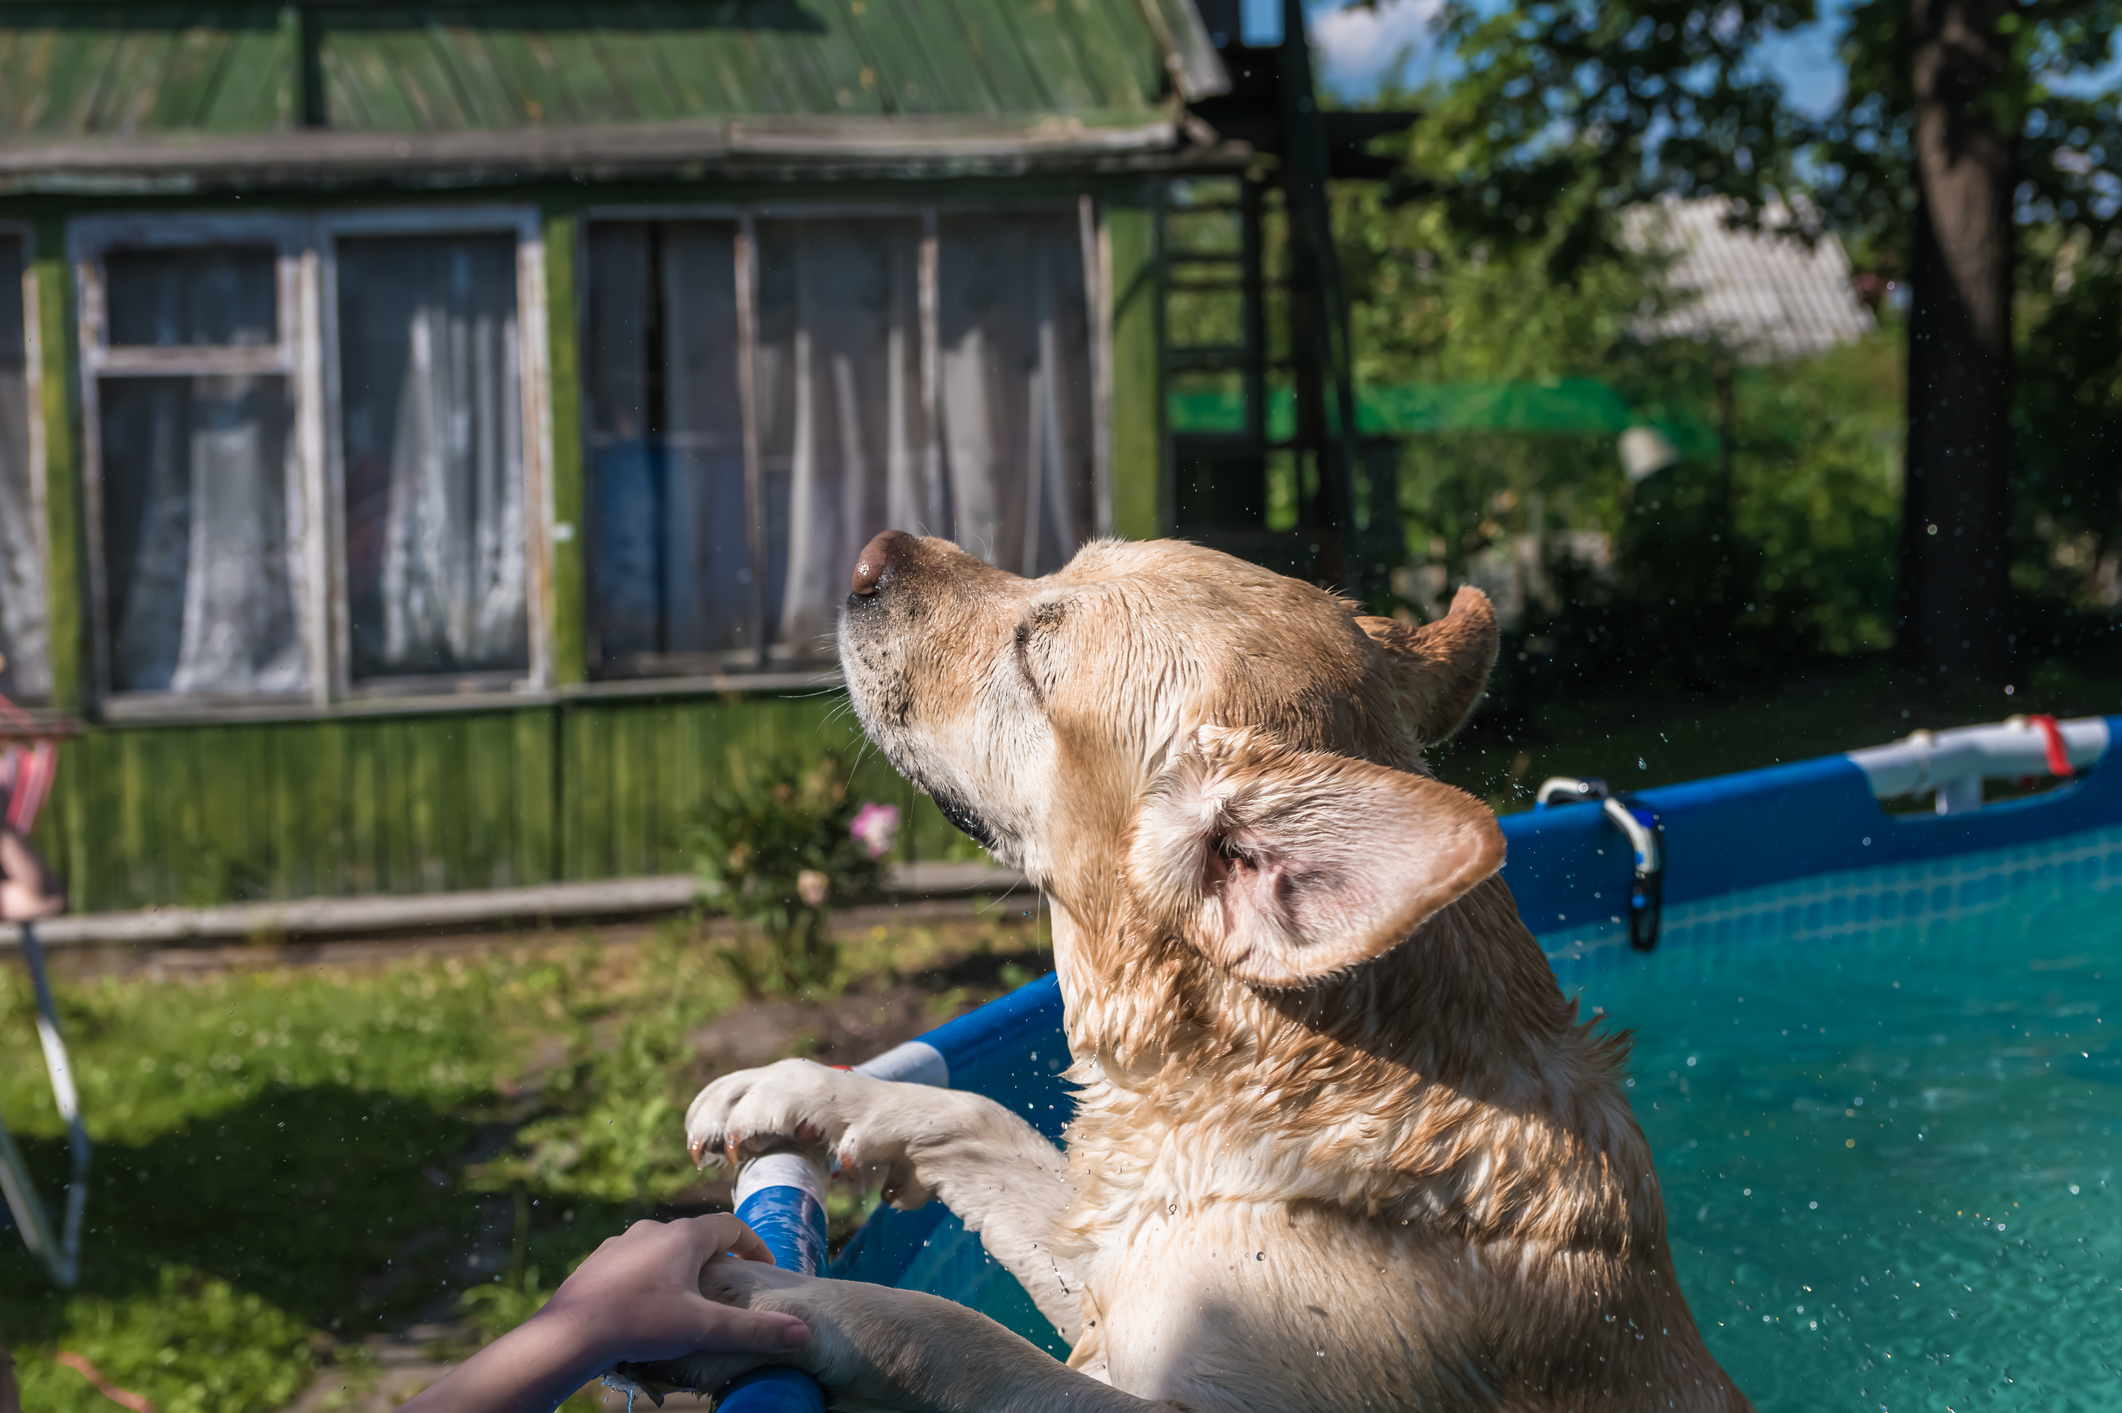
1340, 1141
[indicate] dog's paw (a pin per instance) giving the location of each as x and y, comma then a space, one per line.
726, 1280
834, 1311
753, 1111
749, 1285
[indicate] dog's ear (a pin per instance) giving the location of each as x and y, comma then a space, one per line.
1285, 866
1440, 668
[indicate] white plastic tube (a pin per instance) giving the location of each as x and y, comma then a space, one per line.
1956, 762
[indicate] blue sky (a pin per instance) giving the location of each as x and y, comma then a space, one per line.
1359, 49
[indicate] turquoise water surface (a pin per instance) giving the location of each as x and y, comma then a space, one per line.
1890, 1157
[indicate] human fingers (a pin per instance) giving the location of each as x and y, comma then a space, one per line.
725, 1231
726, 1329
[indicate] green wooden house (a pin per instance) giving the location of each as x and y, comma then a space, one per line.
432, 438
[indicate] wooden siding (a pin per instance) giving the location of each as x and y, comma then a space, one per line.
199, 814
1141, 481
65, 513
80, 70
567, 580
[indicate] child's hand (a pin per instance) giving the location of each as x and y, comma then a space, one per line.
637, 1298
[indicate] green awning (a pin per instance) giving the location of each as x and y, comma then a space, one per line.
1565, 407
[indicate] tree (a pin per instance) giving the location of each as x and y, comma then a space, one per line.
1957, 133
1570, 111
1796, 567
1955, 591
1955, 136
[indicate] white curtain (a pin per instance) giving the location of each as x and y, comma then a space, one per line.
1015, 387
623, 509
669, 553
707, 563
25, 675
846, 449
196, 549
431, 399
842, 436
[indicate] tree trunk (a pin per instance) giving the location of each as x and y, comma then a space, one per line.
1955, 595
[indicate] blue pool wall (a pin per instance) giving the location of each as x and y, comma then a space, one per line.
1797, 852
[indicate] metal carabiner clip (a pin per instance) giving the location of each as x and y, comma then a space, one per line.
1639, 824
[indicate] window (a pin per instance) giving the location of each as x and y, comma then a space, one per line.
25, 665
431, 417
191, 353
311, 458
315, 444
767, 390
671, 554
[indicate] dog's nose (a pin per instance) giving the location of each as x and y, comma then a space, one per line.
878, 557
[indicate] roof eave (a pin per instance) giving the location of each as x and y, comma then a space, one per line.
747, 147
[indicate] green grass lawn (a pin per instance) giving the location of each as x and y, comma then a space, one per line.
288, 1161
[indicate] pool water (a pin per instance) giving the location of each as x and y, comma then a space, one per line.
1891, 1162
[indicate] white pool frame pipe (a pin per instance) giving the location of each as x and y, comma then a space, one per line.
1956, 762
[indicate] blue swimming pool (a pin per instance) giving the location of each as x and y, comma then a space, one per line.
1892, 1155
1872, 1055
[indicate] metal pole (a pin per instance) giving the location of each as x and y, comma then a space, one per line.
63, 1257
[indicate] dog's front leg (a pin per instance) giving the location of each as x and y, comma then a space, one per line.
876, 1348
991, 1168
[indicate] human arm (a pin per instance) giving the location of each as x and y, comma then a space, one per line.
637, 1298
28, 888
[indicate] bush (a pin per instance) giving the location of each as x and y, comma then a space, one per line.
779, 844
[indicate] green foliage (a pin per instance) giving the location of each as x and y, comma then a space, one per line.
1818, 496
1569, 111
268, 1149
293, 1160
775, 847
1498, 255
198, 1345
1430, 305
612, 1103
280, 1157
2069, 419
1797, 562
2068, 138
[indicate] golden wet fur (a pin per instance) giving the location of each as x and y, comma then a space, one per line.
1340, 1142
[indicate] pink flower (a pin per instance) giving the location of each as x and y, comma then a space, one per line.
875, 828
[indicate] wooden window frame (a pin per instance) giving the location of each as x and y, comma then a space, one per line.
307, 354
536, 405
33, 396
765, 659
89, 239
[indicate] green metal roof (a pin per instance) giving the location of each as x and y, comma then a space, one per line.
84, 83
